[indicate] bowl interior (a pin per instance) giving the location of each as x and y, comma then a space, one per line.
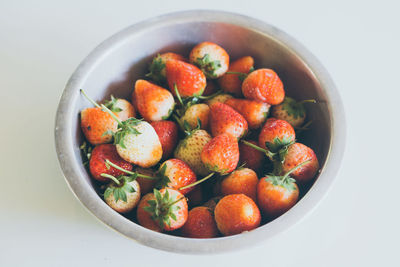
125, 57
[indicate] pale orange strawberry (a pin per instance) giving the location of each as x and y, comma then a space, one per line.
95, 123
264, 85
232, 83
153, 102
179, 175
157, 71
211, 58
224, 119
254, 112
221, 154
186, 78
241, 181
200, 224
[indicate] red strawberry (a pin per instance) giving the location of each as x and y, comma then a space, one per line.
200, 224
153, 102
210, 89
98, 166
253, 158
188, 79
263, 85
232, 83
224, 119
167, 132
221, 154
94, 123
276, 134
179, 175
212, 59
157, 66
254, 112
297, 154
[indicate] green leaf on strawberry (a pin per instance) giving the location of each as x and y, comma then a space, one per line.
112, 105
293, 108
287, 183
162, 208
163, 180
155, 69
119, 190
208, 66
86, 152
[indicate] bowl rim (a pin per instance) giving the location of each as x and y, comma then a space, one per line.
72, 170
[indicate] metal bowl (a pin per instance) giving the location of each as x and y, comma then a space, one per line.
116, 63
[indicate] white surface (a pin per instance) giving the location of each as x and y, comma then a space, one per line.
42, 224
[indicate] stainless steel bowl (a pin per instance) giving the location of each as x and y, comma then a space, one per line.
116, 63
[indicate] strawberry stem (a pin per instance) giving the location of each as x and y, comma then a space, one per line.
307, 101
286, 175
115, 180
129, 172
90, 100
268, 153
210, 96
178, 95
197, 182
176, 201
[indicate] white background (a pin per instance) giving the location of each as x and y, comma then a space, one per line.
41, 222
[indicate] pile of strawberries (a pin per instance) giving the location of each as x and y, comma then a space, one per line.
197, 135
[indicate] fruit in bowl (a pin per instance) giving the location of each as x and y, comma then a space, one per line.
193, 121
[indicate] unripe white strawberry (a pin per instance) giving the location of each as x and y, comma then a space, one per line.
218, 98
124, 197
140, 146
189, 150
195, 113
121, 107
291, 111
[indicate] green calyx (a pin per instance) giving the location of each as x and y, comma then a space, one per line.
285, 180
295, 109
112, 105
119, 191
208, 66
162, 209
86, 152
280, 147
163, 180
156, 67
125, 128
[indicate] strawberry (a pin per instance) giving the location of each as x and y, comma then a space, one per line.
221, 98
200, 224
153, 102
296, 155
263, 85
277, 194
236, 213
94, 123
157, 67
211, 88
121, 107
241, 181
252, 158
276, 135
167, 132
97, 164
179, 175
123, 194
224, 119
232, 82
186, 78
291, 111
196, 115
221, 154
137, 142
212, 59
254, 112
162, 210
146, 185
189, 150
